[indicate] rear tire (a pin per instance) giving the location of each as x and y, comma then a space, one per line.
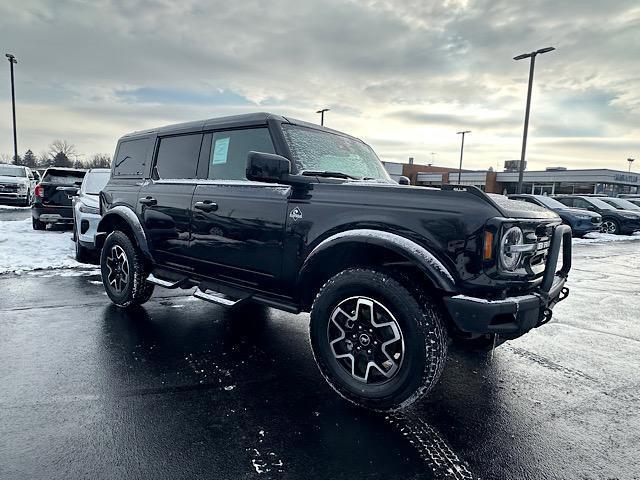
37, 224
124, 273
611, 227
83, 254
378, 345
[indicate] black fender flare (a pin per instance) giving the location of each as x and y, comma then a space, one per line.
426, 261
122, 213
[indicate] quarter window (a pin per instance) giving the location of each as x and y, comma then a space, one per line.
229, 150
178, 157
131, 160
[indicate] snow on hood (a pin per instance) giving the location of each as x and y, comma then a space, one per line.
520, 209
5, 179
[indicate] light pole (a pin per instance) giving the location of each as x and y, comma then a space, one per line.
630, 160
461, 151
321, 112
13, 60
532, 56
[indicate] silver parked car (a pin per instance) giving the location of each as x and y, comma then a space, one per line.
17, 185
86, 212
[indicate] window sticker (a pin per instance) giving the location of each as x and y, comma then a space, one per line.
220, 151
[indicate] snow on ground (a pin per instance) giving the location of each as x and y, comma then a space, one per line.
605, 238
13, 207
23, 249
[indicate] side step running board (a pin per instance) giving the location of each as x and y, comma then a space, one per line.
166, 283
219, 298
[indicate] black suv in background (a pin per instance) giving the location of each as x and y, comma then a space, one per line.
614, 221
54, 197
265, 209
580, 221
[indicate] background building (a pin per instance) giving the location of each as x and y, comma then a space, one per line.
551, 181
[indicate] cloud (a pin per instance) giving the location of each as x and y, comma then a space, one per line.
402, 75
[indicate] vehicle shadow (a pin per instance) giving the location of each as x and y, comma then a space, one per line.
244, 384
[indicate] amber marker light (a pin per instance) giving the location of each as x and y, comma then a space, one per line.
488, 246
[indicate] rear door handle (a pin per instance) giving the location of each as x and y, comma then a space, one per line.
149, 201
206, 206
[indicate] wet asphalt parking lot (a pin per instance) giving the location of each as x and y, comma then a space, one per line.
182, 389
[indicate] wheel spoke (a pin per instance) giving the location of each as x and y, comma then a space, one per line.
368, 342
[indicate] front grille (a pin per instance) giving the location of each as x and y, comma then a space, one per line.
8, 187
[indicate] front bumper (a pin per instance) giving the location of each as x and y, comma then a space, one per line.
86, 228
513, 316
13, 197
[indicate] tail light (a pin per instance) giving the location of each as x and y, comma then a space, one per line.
39, 191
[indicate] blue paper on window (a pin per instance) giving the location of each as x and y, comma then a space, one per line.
220, 151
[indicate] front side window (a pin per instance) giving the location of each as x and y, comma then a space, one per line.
321, 151
178, 157
229, 150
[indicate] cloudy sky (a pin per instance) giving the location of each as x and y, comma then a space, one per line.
403, 75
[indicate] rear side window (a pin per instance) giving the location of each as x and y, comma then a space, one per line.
229, 150
178, 156
62, 177
131, 160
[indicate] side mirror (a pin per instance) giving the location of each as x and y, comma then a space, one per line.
404, 180
267, 167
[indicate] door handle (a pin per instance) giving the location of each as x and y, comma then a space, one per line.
149, 201
206, 206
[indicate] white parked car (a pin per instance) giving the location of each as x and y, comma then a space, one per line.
17, 184
86, 212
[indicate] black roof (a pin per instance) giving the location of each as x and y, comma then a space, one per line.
247, 119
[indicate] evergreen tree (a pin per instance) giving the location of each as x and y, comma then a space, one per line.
29, 159
61, 160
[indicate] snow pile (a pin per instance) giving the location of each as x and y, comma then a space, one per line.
604, 238
23, 249
13, 207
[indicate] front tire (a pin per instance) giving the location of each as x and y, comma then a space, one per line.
377, 344
123, 271
83, 254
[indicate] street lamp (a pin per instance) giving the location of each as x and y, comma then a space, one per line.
630, 160
13, 60
532, 56
461, 150
321, 112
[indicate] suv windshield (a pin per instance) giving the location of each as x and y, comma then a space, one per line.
621, 204
550, 202
600, 204
321, 151
9, 171
94, 182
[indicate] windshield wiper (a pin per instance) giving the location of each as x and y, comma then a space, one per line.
326, 173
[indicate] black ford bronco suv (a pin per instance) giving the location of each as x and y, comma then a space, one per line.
266, 209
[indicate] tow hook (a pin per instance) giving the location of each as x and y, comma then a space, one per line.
564, 293
546, 316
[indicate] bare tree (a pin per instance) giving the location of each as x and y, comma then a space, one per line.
5, 158
64, 147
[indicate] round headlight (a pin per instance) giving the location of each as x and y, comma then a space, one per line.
510, 258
